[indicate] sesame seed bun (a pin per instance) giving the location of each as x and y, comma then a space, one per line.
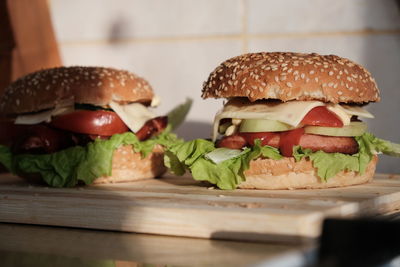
292, 76
87, 85
286, 173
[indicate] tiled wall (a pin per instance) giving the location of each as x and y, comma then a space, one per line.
175, 44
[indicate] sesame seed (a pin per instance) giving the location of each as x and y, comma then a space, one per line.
289, 84
330, 73
312, 72
276, 79
340, 92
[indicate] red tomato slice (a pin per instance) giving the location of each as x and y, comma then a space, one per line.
267, 138
285, 141
94, 122
321, 116
288, 140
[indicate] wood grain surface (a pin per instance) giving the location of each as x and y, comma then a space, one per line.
180, 206
55, 245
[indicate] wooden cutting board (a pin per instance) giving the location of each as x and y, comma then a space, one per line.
182, 207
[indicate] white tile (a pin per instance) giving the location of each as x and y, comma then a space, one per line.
77, 20
294, 16
175, 70
380, 55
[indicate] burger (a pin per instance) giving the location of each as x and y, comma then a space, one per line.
82, 125
290, 121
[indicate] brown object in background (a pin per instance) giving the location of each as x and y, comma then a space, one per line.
27, 40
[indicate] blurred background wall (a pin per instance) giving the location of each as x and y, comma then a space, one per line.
175, 44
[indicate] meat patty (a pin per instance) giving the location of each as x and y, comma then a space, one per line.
329, 144
43, 139
232, 142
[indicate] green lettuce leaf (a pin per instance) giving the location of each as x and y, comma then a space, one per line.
177, 115
5, 157
67, 167
329, 164
227, 174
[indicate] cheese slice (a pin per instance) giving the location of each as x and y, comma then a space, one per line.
345, 112
63, 107
340, 112
36, 118
134, 115
357, 111
291, 112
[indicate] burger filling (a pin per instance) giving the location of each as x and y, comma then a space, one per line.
331, 136
309, 124
74, 144
53, 130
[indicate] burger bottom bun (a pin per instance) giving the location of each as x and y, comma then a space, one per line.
289, 174
128, 165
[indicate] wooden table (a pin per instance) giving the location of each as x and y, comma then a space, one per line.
180, 206
29, 245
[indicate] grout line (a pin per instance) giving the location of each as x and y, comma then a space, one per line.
244, 37
327, 34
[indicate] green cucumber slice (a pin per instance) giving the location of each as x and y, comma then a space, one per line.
356, 128
262, 125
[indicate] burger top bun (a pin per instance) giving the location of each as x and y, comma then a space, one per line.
89, 85
292, 76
